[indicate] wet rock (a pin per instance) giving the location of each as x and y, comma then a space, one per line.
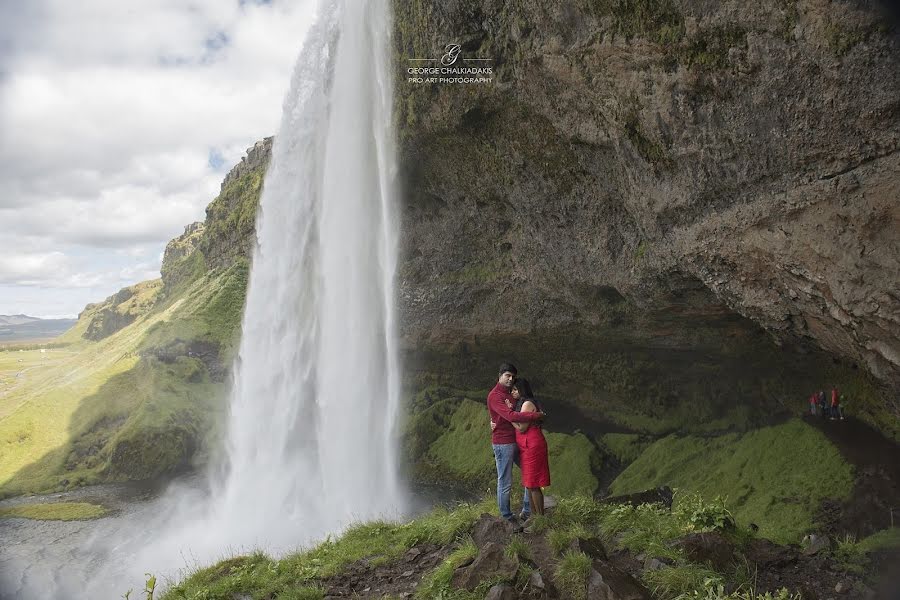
412, 554
661, 495
489, 528
708, 547
766, 553
592, 546
606, 582
502, 592
813, 544
491, 562
653, 564
536, 581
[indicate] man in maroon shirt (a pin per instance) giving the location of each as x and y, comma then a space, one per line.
503, 437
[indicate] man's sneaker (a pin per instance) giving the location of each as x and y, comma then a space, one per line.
515, 525
523, 516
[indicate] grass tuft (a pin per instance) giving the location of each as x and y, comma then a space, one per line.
572, 574
562, 537
518, 548
673, 582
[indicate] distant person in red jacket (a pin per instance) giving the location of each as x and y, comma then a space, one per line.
836, 405
812, 405
503, 438
533, 455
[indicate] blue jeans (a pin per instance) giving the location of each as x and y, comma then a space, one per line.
504, 456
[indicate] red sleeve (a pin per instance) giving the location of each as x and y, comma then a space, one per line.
497, 404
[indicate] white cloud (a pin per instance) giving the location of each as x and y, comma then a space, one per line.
109, 114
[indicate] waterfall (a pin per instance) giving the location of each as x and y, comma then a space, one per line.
314, 405
315, 401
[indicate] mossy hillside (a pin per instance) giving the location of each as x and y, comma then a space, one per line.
212, 308
120, 309
625, 447
463, 450
101, 319
379, 542
132, 406
57, 511
775, 477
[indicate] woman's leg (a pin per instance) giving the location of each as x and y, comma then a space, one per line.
537, 500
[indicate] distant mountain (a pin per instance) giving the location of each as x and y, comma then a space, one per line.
17, 319
18, 328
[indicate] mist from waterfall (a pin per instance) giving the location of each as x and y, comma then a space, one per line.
313, 411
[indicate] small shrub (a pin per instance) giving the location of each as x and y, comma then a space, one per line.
675, 582
714, 589
561, 538
705, 516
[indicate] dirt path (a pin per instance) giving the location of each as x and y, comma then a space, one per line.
876, 495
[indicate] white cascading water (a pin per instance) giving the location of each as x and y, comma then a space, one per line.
313, 413
311, 431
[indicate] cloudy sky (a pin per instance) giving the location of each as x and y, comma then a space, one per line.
118, 121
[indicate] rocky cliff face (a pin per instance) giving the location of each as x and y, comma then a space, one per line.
636, 170
119, 310
228, 234
664, 210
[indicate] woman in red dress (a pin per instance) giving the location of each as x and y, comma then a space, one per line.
533, 456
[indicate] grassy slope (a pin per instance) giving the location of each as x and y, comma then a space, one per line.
111, 410
775, 477
57, 511
143, 400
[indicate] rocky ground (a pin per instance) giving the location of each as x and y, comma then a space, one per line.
533, 572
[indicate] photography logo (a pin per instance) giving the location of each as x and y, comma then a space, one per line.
451, 67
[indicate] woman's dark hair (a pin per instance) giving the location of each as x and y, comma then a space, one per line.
524, 388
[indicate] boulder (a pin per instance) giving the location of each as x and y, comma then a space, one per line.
491, 562
502, 592
661, 495
489, 528
813, 544
766, 553
606, 582
708, 547
592, 546
653, 564
536, 581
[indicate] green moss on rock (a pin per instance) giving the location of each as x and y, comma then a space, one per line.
775, 477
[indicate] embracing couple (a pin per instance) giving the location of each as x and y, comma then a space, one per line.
517, 438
